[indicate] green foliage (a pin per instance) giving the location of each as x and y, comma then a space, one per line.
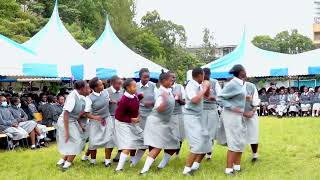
161, 41
285, 42
207, 52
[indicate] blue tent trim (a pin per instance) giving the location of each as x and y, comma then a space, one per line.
105, 73
44, 70
279, 72
77, 72
221, 75
19, 46
314, 70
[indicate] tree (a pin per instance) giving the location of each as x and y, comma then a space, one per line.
285, 42
207, 51
266, 43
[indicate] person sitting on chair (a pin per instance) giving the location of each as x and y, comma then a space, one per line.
305, 101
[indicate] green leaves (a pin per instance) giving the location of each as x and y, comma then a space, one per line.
285, 42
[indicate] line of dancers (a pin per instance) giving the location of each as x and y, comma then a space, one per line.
140, 117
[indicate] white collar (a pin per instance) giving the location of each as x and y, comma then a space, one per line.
174, 85
96, 94
141, 85
168, 90
78, 95
113, 89
195, 83
128, 95
241, 82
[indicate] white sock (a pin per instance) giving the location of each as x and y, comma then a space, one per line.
137, 157
33, 146
84, 158
186, 170
60, 162
236, 167
255, 155
93, 161
147, 164
66, 165
228, 170
107, 161
164, 161
195, 166
118, 155
122, 161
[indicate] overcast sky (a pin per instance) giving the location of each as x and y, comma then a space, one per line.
227, 18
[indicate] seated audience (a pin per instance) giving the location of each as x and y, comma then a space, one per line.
305, 101
49, 113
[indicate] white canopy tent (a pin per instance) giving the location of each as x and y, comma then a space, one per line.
56, 49
13, 56
109, 54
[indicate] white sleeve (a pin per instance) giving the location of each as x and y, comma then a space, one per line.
255, 99
190, 92
70, 102
218, 88
158, 102
88, 105
183, 93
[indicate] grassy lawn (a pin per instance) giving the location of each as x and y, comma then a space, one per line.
290, 149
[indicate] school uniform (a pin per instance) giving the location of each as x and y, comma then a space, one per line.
316, 102
59, 109
6, 123
148, 91
305, 101
273, 101
99, 135
75, 104
115, 96
253, 122
177, 117
85, 121
233, 96
22, 119
210, 111
282, 106
127, 134
33, 108
197, 135
293, 100
158, 131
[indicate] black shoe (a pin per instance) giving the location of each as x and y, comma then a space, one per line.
107, 165
33, 148
190, 173
64, 169
115, 160
231, 174
254, 160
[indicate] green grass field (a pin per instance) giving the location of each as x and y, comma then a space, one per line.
290, 149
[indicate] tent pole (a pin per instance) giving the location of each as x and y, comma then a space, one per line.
298, 82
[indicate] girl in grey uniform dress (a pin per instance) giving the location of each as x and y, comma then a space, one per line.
210, 107
8, 124
69, 133
316, 103
197, 135
147, 88
115, 94
100, 125
24, 123
158, 132
129, 135
273, 102
282, 106
233, 98
293, 101
252, 122
177, 117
